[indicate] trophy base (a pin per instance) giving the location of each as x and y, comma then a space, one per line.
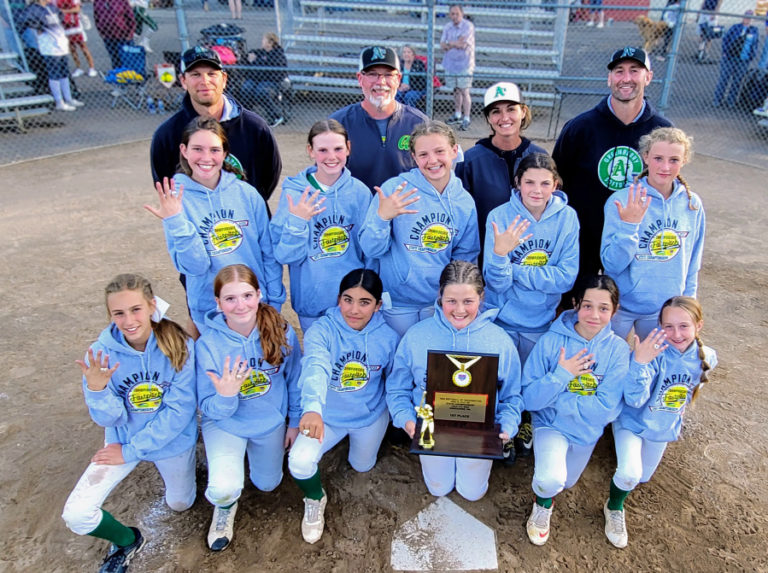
461, 442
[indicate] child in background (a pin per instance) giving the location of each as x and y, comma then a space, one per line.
348, 355
457, 324
73, 28
139, 383
572, 385
247, 382
665, 375
653, 236
414, 245
212, 219
317, 222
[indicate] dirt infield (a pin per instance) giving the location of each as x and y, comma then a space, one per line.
70, 223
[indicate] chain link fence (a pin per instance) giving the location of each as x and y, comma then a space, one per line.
556, 52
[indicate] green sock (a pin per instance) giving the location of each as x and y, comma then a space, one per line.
544, 501
112, 530
617, 497
312, 487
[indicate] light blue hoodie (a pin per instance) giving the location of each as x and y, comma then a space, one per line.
656, 394
265, 398
352, 364
579, 408
414, 249
526, 284
224, 226
408, 381
147, 406
647, 274
320, 251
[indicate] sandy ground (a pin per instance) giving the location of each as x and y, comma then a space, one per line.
70, 223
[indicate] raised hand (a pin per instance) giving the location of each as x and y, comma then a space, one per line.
579, 363
109, 455
170, 199
653, 345
231, 380
312, 426
512, 237
397, 203
638, 202
308, 206
97, 373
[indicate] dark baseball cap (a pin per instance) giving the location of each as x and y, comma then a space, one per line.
630, 53
378, 56
200, 55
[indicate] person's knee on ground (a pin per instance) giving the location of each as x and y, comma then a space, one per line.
266, 483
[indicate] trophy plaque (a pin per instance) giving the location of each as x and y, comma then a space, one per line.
459, 406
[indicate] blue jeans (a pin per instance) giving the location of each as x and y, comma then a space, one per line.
410, 97
731, 72
114, 49
267, 95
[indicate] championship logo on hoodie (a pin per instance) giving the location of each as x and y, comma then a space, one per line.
351, 372
143, 391
662, 241
433, 232
221, 232
258, 383
585, 384
619, 166
673, 394
331, 237
532, 253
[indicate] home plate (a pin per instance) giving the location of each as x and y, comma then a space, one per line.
444, 537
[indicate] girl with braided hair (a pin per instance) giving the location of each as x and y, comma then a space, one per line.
653, 235
666, 372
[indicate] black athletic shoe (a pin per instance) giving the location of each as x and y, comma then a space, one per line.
118, 558
509, 453
453, 120
524, 440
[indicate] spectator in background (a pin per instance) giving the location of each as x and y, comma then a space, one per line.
412, 87
458, 43
379, 127
44, 18
116, 26
707, 32
265, 85
73, 28
670, 15
739, 49
596, 13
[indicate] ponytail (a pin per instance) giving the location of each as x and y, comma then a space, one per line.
691, 203
172, 341
705, 368
273, 330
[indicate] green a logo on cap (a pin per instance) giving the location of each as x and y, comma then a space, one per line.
378, 53
500, 91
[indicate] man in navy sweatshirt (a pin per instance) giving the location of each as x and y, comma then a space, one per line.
596, 152
379, 127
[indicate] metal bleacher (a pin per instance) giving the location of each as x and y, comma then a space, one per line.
17, 99
514, 42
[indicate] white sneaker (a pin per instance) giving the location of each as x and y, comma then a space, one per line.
590, 23
77, 73
145, 44
63, 106
75, 103
222, 527
538, 524
615, 526
313, 523
92, 73
600, 25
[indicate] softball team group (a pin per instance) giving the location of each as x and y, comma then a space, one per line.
377, 281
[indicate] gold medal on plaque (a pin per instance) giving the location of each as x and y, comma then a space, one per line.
462, 377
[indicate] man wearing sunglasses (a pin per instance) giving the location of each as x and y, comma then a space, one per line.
379, 127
